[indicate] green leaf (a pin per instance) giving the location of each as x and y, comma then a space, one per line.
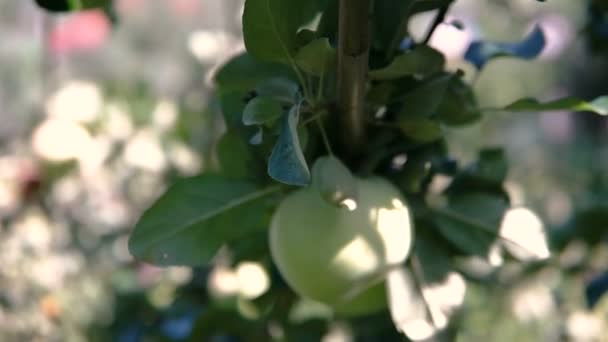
429, 5
333, 180
287, 163
194, 218
588, 225
599, 105
420, 62
236, 160
261, 110
491, 166
232, 105
487, 174
433, 254
328, 25
317, 57
422, 130
413, 173
270, 27
380, 93
72, 5
471, 221
424, 101
244, 72
459, 106
392, 14
279, 88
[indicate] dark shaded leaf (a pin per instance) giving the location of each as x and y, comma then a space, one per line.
391, 13
422, 130
420, 62
433, 254
236, 160
487, 174
481, 52
328, 25
471, 221
596, 289
459, 106
244, 72
492, 165
279, 88
270, 27
424, 101
589, 225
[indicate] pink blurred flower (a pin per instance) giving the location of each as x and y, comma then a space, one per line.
80, 32
184, 8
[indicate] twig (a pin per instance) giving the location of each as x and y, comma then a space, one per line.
439, 18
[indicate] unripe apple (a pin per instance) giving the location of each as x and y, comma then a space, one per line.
326, 252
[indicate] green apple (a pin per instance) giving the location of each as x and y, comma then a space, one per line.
330, 254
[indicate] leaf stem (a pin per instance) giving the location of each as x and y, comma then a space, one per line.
301, 79
439, 18
320, 88
324, 136
314, 117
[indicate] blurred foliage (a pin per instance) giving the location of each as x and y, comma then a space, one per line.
145, 115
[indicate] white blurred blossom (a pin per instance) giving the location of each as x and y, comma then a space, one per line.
186, 160
117, 124
78, 101
532, 301
585, 327
144, 151
523, 235
165, 115
253, 279
208, 46
60, 140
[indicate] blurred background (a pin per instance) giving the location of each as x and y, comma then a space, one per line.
98, 115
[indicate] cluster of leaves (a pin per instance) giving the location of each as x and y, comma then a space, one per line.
72, 5
597, 27
278, 102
